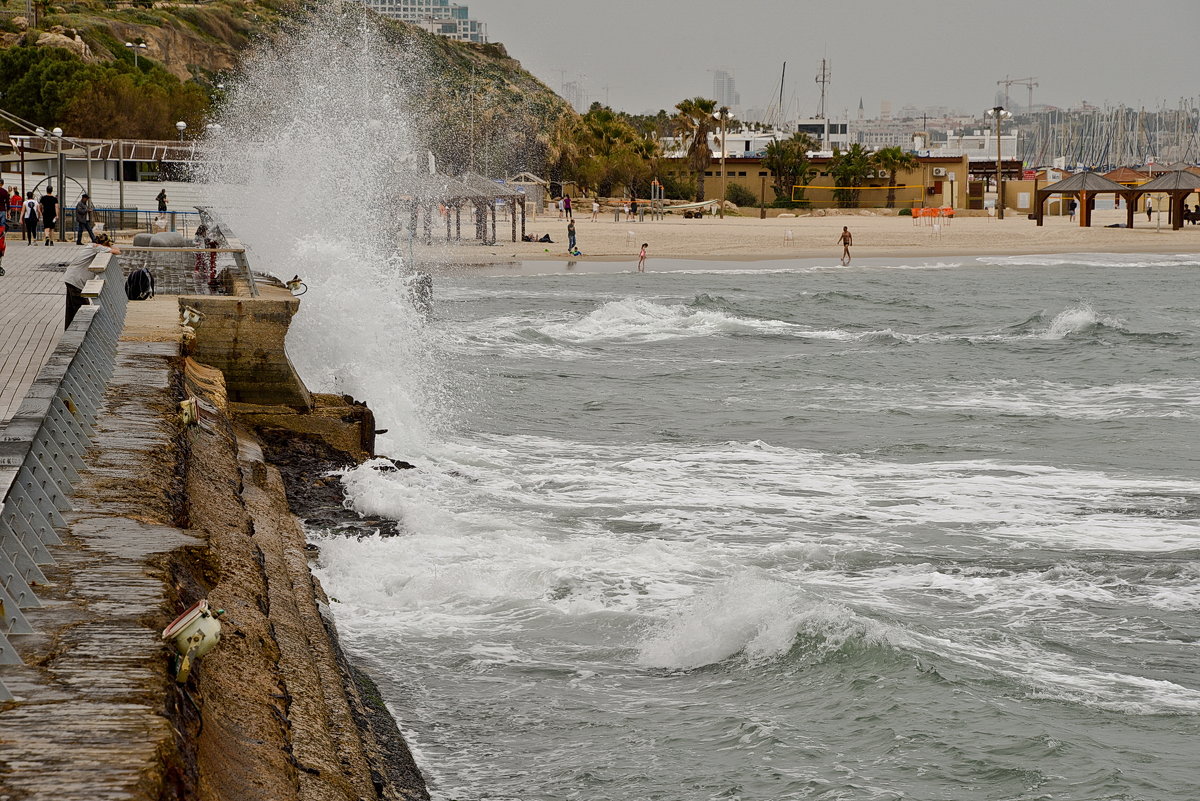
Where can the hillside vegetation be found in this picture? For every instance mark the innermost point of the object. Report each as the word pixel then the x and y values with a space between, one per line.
pixel 68 66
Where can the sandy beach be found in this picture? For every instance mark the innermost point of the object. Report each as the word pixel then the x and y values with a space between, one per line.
pixel 875 236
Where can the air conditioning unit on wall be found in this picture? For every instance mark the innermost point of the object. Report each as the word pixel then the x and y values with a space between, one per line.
pixel 882 173
pixel 939 172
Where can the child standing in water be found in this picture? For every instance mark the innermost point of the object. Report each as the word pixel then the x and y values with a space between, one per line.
pixel 642 258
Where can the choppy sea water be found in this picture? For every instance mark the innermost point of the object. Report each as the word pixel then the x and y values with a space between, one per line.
pixel 793 530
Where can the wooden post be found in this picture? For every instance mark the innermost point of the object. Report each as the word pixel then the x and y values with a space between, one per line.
pixel 1085 210
pixel 1130 203
pixel 512 207
pixel 458 220
pixel 522 218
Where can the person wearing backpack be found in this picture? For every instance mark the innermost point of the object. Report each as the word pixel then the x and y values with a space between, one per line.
pixel 30 216
pixel 79 273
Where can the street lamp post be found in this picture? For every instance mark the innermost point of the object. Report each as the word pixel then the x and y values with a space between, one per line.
pixel 62 212
pixel 181 126
pixel 140 46
pixel 723 115
pixel 1000 114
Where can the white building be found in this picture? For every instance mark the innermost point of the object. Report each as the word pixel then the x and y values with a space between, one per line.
pixel 436 16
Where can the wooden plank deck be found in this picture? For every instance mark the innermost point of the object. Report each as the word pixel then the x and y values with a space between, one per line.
pixel 32 301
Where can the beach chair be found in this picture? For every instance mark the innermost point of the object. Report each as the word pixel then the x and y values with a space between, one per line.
pixel 916 215
pixel 947 215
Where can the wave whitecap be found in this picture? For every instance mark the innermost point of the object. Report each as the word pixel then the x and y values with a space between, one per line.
pixel 758 618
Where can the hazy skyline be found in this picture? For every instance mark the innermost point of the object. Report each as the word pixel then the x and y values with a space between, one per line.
pixel 650 54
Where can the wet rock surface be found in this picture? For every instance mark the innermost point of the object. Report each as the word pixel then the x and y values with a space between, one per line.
pixel 310 471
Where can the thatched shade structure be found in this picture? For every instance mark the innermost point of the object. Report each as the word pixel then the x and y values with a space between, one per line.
pixel 1085 186
pixel 1176 185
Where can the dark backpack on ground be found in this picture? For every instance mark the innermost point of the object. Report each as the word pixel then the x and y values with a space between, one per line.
pixel 139 285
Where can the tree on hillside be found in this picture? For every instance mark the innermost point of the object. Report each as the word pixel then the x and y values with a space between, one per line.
pixel 893 159
pixel 693 124
pixel 850 171
pixel 788 162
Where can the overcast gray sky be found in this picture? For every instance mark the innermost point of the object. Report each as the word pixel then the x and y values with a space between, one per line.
pixel 652 53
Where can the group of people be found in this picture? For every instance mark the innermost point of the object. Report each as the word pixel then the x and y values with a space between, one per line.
pixel 38 217
pixel 565 208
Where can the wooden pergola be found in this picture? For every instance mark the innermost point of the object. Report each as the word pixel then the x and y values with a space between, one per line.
pixel 1176 185
pixel 490 193
pixel 1085 186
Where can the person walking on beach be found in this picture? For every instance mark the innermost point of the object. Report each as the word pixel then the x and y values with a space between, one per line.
pixel 567 206
pixel 161 197
pixel 30 216
pixel 846 240
pixel 49 204
pixel 595 209
pixel 84 210
pixel 1071 208
pixel 571 236
pixel 1149 207
pixel 642 258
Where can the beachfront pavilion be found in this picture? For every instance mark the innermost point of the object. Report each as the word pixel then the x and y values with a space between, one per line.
pixel 428 195
pixel 1085 186
pixel 1176 185
pixel 495 193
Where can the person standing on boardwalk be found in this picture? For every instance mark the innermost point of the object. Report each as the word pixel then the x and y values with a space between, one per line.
pixel 14 209
pixel 84 210
pixel 846 240
pixel 642 258
pixel 30 213
pixel 49 211
pixel 595 209
pixel 571 236
pixel 3 241
pixel 161 197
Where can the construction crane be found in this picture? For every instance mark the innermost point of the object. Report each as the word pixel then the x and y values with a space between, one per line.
pixel 1026 82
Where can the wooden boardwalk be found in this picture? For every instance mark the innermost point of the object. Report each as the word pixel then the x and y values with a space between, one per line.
pixel 32 303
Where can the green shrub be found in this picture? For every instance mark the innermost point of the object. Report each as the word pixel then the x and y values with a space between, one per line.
pixel 905 212
pixel 739 195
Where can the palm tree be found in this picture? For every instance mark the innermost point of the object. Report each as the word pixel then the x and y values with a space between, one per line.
pixel 849 171
pixel 788 162
pixel 693 124
pixel 893 159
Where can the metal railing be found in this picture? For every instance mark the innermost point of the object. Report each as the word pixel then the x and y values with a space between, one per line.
pixel 41 453
pixel 115 219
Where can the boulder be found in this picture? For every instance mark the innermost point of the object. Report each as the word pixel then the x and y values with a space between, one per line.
pixel 167 239
pixel 76 46
pixel 142 240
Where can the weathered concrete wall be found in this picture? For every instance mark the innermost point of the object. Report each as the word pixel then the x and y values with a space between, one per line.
pixel 243 337
pixel 166 515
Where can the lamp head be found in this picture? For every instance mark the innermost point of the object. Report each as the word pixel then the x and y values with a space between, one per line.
pixel 57 132
pixel 181 126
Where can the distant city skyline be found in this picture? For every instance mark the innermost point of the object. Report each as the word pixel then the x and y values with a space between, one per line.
pixel 642 57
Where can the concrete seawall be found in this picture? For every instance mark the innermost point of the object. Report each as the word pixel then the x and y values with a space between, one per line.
pixel 165 513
